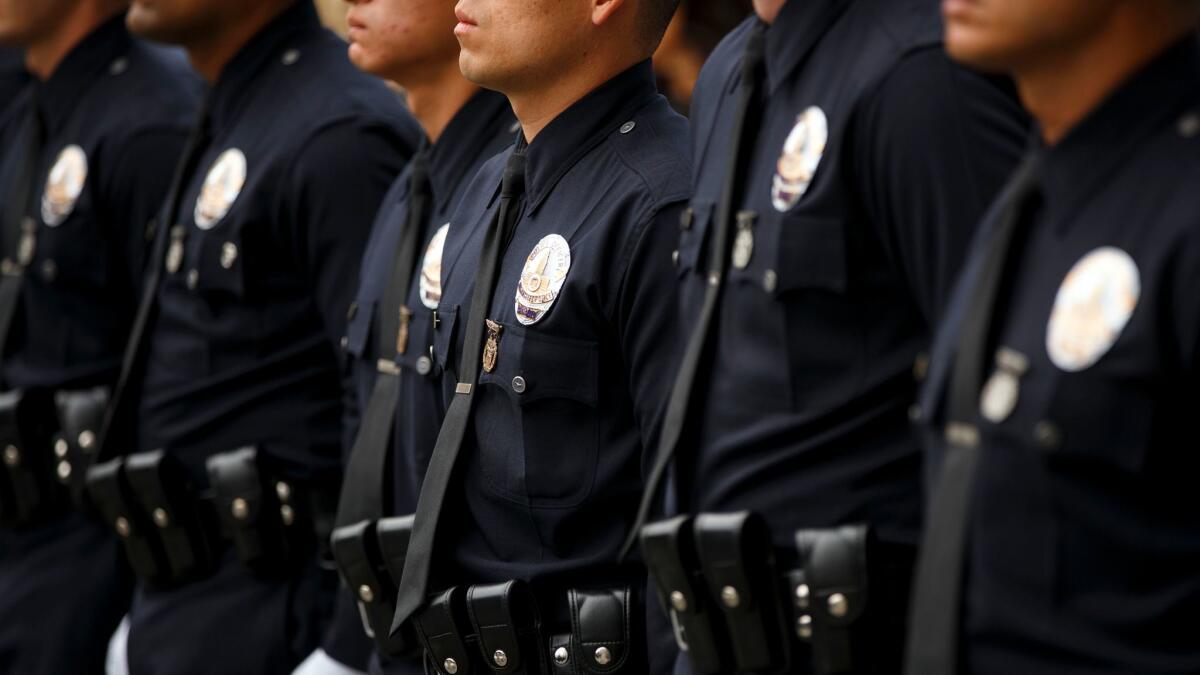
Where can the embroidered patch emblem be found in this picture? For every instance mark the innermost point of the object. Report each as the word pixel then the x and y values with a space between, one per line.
pixel 542 279
pixel 430 285
pixel 222 186
pixel 64 184
pixel 1092 308
pixel 802 154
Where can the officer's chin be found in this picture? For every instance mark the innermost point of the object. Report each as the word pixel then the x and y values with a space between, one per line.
pixel 976 48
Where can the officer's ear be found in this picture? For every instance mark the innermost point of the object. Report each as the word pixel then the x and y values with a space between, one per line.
pixel 603 11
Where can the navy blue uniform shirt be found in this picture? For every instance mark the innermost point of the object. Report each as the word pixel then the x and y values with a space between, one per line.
pixel 550 476
pixel 1084 531
pixel 874 160
pixel 483 128
pixel 13 78
pixel 104 172
pixel 245 347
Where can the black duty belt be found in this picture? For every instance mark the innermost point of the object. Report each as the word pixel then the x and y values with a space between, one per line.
pixel 734 611
pixel 173 532
pixel 46 441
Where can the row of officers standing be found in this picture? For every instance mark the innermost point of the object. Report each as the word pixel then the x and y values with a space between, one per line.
pixel 882 363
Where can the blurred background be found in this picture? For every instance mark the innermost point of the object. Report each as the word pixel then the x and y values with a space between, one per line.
pixel 697 29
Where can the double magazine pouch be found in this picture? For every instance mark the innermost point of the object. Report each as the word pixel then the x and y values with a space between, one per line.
pixel 161 489
pixel 670 553
pixel 504 618
pixel 80 418
pixel 734 611
pixel 370 557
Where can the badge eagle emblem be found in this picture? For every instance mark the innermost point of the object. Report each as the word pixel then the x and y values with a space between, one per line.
pixel 542 278
pixel 64 184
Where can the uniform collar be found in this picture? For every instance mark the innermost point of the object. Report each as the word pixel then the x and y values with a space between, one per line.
pixel 82 67
pixel 228 93
pixel 1112 133
pixel 581 127
pixel 485 116
pixel 797 29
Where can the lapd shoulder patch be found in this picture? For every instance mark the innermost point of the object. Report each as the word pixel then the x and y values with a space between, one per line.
pixel 64 184
pixel 802 154
pixel 221 188
pixel 430 285
pixel 542 278
pixel 1092 308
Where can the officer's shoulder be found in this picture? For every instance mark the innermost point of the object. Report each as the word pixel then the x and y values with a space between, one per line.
pixel 319 79
pixel 156 86
pixel 904 26
pixel 654 146
pixel 723 64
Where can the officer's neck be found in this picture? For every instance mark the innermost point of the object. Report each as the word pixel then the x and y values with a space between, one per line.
pixel 211 50
pixel 1061 88
pixel 43 56
pixel 436 96
pixel 538 105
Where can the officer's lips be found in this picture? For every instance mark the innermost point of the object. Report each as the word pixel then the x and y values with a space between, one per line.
pixel 465 23
pixel 959 10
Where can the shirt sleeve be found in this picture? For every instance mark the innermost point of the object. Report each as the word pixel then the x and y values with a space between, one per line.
pixel 648 320
pixel 932 146
pixel 138 182
pixel 337 185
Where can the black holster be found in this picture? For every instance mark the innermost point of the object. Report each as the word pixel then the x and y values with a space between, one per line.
pixel 268 522
pixel 29 491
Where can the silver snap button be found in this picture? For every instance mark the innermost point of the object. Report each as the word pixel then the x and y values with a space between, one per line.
pixel 366 594
pixel 561 656
pixel 1189 125
pixel 345 343
pixel 229 254
pixel 804 629
pixel 802 594
pixel 839 606
pixel 287 514
pixel 450 666
pixel 64 471
pixel 628 127
pixel 678 601
pixel 603 656
pixel 240 509
pixel 675 258
pixel 87 438
pixel 61 448
pixel 770 281
pixel 118 66
pixel 500 658
pixel 290 57
pixel 283 491
pixel 518 384
pixel 730 597
pixel 122 527
pixel 12 456
pixel 161 519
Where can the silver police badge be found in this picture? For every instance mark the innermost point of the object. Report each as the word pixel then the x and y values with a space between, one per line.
pixel 1094 304
pixel 64 184
pixel 222 186
pixel 430 285
pixel 542 278
pixel 802 154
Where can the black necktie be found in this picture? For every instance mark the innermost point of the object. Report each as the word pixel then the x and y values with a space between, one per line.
pixel 20 230
pixel 363 485
pixel 113 435
pixel 699 342
pixel 414 582
pixel 937 597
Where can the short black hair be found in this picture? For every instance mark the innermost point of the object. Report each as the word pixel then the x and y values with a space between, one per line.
pixel 655 16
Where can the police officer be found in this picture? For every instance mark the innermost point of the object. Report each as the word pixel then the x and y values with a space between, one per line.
pixel 1062 535
pixel 222 458
pixel 554 330
pixel 87 156
pixel 391 324
pixel 841 162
